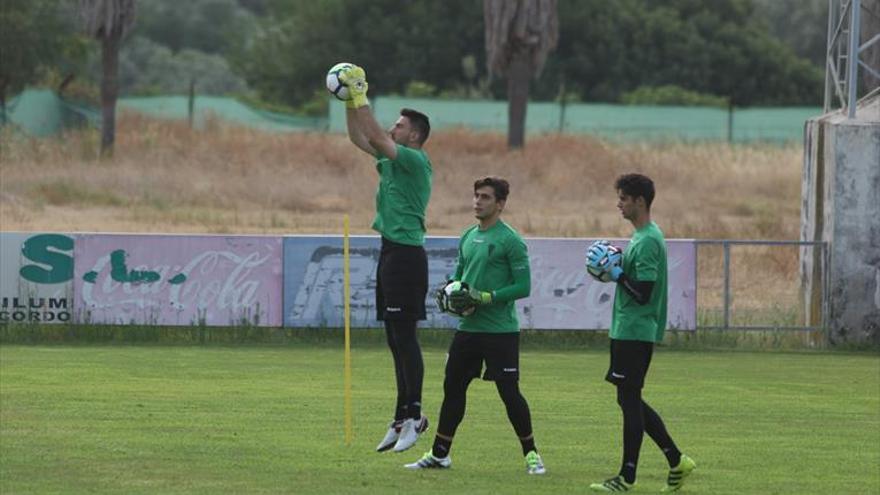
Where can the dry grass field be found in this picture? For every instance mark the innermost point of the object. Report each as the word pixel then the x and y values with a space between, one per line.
pixel 166 177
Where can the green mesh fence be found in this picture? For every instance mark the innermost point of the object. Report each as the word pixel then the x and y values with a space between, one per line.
pixel 40 113
pixel 227 109
pixel 43 113
pixel 616 122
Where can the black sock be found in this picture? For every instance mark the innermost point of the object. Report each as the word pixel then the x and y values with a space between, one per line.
pixel 673 457
pixel 655 429
pixel 412 366
pixel 517 412
pixel 628 471
pixel 441 447
pixel 528 445
pixel 630 401
pixel 400 413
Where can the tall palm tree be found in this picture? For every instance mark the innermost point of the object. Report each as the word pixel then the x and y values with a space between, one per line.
pixel 108 21
pixel 519 35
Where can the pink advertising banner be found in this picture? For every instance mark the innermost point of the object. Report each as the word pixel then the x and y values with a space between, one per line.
pixel 564 297
pixel 178 280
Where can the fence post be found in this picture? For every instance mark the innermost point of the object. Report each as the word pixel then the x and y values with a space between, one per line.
pixel 730 123
pixel 852 59
pixel 191 102
pixel 562 104
pixel 726 249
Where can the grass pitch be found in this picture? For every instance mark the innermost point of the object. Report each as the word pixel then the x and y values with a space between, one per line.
pixel 160 419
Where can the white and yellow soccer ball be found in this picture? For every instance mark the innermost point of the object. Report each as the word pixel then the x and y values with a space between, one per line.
pixel 336 87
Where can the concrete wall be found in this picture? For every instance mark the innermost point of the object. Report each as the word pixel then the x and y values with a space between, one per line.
pixel 841 206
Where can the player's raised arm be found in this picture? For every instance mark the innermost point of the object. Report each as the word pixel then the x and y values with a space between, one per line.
pixel 359 116
pixel 355 135
pixel 339 88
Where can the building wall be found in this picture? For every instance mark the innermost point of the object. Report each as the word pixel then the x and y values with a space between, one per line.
pixel 841 206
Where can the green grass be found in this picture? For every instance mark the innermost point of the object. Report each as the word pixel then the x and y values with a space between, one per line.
pixel 269 419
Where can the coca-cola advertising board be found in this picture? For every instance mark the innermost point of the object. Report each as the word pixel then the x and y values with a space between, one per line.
pixel 178 280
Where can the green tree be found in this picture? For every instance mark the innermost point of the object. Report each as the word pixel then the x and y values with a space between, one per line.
pixel 396 42
pixel 671 95
pixel 211 26
pixel 710 47
pixel 146 67
pixel 35 35
pixel 605 49
pixel 801 25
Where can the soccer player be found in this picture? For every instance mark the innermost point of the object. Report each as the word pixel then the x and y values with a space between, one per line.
pixel 402 273
pixel 494 263
pixel 637 323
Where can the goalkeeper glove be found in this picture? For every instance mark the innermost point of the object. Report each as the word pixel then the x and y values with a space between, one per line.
pixel 460 303
pixel 602 257
pixel 615 272
pixel 356 80
pixel 480 297
pixel 471 297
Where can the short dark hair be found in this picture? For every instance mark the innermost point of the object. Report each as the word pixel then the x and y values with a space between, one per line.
pixel 636 185
pixel 499 185
pixel 419 122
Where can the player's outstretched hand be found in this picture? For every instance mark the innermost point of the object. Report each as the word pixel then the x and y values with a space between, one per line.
pixel 356 80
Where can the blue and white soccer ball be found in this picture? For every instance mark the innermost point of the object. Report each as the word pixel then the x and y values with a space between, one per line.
pixel 336 87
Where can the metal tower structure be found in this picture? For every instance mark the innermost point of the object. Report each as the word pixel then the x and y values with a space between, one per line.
pixel 843 59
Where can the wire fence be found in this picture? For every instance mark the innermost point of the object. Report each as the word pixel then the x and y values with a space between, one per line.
pixel 759 285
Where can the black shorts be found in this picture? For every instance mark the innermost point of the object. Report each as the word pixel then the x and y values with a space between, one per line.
pixel 469 350
pixel 401 282
pixel 629 362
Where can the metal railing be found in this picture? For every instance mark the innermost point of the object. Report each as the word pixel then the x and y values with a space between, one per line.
pixel 726 245
pixel 843 57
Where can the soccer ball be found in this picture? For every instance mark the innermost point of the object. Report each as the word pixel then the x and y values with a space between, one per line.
pixel 336 87
pixel 444 302
pixel 599 270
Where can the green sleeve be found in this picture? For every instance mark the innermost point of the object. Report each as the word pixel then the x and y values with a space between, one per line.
pixel 648 261
pixel 518 257
pixel 459 266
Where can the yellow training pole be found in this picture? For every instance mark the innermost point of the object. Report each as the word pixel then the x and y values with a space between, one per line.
pixel 349 434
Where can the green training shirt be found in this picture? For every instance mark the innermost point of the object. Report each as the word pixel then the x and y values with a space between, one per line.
pixel 402 196
pixel 644 260
pixel 494 260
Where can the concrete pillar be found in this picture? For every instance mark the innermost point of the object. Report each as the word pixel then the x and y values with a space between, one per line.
pixel 841 206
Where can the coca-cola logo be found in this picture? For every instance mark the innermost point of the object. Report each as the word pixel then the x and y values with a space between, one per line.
pixel 212 279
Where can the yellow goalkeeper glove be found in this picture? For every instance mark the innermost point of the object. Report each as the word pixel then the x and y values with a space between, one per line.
pixel 356 80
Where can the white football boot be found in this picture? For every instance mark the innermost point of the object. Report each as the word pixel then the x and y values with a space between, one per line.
pixel 428 461
pixel 409 432
pixel 391 436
